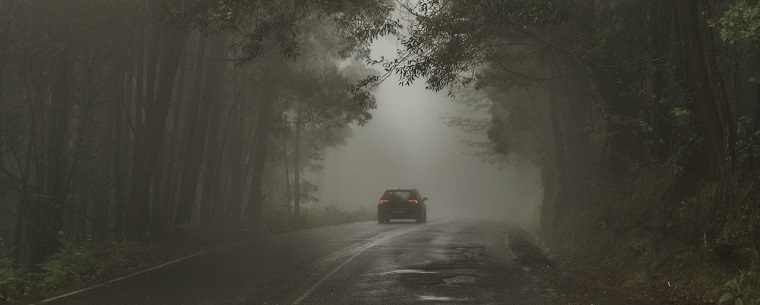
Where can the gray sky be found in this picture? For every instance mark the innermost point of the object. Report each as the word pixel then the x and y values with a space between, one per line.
pixel 408 144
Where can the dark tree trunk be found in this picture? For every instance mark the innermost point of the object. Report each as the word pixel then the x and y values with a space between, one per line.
pixel 115 147
pixel 259 159
pixel 297 163
pixel 288 187
pixel 236 172
pixel 553 173
pixel 149 141
pixel 165 208
pixel 714 114
pixel 195 126
pixel 214 143
pixel 51 208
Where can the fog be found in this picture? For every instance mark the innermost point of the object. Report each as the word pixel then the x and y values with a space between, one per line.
pixel 408 144
pixel 239 152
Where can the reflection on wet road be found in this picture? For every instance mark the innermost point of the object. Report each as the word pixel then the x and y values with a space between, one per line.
pixel 443 262
pixel 449 262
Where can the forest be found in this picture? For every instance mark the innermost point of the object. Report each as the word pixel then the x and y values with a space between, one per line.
pixel 122 121
pixel 125 123
pixel 642 115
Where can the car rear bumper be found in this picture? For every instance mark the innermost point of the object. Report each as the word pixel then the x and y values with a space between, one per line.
pixel 405 212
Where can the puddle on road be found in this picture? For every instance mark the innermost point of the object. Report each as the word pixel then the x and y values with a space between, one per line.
pixel 459 280
pixel 408 271
pixel 440 299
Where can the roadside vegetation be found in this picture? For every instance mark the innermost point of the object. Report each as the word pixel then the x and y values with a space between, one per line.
pixel 643 116
pixel 80 263
pixel 76 264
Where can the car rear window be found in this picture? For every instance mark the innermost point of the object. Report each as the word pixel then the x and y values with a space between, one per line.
pixel 398 195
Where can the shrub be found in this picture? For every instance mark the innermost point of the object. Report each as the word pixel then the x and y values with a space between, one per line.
pixel 75 264
pixel 741 290
pixel 12 284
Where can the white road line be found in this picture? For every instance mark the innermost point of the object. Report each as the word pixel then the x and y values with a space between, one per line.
pixel 204 252
pixel 314 287
pixel 141 272
pixel 125 277
pixel 357 252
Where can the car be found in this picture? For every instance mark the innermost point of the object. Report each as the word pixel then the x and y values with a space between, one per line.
pixel 402 204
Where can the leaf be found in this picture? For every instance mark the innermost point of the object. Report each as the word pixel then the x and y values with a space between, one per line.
pixel 731 284
pixel 725 298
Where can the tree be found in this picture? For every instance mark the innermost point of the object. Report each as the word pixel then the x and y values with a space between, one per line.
pixel 167 123
pixel 618 90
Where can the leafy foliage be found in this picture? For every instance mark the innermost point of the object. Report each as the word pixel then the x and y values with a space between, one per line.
pixel 12 281
pixel 740 22
pixel 742 290
pixel 75 264
pixel 606 98
pixel 257 23
pixel 451 40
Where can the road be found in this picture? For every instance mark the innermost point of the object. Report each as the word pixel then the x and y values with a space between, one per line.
pixel 442 262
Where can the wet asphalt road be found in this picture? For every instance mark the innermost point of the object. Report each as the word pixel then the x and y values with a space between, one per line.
pixel 442 262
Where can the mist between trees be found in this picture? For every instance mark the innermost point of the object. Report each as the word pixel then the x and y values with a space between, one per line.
pixel 125 120
pixel 642 116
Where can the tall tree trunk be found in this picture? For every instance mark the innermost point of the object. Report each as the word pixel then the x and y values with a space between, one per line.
pixel 115 146
pixel 288 187
pixel 757 92
pixel 236 174
pixel 214 145
pixel 553 173
pixel 120 164
pixel 713 111
pixel 297 163
pixel 165 212
pixel 149 141
pixel 7 8
pixel 259 159
pixel 28 222
pixel 195 126
pixel 714 114
pixel 55 187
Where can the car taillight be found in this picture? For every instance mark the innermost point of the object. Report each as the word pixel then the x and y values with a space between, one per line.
pixel 382 201
pixel 413 201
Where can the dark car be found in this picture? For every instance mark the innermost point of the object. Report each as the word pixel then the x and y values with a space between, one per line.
pixel 402 204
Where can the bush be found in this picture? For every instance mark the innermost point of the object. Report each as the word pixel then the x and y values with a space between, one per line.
pixel 74 265
pixel 741 290
pixel 12 283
